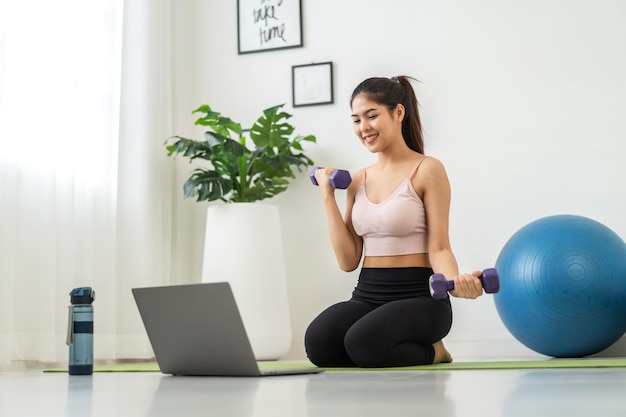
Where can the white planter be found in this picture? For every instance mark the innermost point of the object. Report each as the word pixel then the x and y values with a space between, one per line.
pixel 243 246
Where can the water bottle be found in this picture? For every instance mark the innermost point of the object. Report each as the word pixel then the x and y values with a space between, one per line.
pixel 80 331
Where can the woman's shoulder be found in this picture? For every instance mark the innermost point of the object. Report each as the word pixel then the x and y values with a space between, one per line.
pixel 431 164
pixel 430 173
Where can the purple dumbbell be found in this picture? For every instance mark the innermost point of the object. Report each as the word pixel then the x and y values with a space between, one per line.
pixel 439 285
pixel 339 178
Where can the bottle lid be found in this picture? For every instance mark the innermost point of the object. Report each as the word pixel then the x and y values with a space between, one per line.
pixel 82 295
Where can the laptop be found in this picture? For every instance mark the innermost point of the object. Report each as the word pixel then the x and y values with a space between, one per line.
pixel 196 329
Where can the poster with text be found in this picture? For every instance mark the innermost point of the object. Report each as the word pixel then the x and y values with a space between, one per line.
pixel 266 25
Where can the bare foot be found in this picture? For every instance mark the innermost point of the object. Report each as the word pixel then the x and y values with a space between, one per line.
pixel 441 353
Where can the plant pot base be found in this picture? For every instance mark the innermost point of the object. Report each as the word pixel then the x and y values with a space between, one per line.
pixel 243 246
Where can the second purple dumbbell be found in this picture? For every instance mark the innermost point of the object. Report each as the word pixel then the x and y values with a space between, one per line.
pixel 439 285
pixel 339 178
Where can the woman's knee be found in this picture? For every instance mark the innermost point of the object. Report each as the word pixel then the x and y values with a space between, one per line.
pixel 316 337
pixel 324 347
pixel 365 347
pixel 324 337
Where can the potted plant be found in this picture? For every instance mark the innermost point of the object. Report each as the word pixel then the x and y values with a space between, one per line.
pixel 243 242
pixel 237 173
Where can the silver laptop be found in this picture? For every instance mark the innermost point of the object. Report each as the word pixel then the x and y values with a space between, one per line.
pixel 196 329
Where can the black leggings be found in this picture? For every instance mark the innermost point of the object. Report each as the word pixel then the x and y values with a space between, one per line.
pixel 391 320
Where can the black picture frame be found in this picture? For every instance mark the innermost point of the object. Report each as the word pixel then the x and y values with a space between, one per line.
pixel 312 84
pixel 268 25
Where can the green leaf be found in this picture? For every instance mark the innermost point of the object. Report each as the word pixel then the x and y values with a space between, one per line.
pixel 237 173
pixel 207 185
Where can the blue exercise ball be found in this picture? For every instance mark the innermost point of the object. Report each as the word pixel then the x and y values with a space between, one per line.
pixel 563 286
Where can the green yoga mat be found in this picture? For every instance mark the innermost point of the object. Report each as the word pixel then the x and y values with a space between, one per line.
pixel 482 365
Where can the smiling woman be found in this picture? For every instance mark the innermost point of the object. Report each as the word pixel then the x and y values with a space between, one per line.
pixel 396 227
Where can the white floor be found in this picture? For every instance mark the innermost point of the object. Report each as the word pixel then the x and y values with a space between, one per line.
pixel 501 393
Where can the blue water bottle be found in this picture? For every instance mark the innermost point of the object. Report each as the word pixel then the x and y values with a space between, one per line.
pixel 80 331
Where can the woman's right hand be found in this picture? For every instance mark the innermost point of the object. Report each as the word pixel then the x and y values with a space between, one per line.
pixel 322 176
pixel 467 286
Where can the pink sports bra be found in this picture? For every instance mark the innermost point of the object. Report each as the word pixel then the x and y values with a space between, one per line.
pixel 396 226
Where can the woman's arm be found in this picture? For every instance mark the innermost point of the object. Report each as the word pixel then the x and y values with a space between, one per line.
pixel 348 246
pixel 436 193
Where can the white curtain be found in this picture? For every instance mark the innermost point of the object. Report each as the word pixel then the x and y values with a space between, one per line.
pixel 85 188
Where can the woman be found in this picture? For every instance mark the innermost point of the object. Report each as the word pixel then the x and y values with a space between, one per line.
pixel 397 217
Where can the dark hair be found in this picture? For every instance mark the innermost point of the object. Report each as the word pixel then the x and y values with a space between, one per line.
pixel 393 91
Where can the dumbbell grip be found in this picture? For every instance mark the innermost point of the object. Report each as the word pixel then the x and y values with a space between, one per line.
pixel 439 286
pixel 339 178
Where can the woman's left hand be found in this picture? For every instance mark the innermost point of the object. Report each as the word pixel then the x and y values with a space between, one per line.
pixel 468 285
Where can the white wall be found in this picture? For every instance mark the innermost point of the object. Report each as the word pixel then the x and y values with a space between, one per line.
pixel 523 101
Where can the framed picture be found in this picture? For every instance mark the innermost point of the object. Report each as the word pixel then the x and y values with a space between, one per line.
pixel 267 25
pixel 312 84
